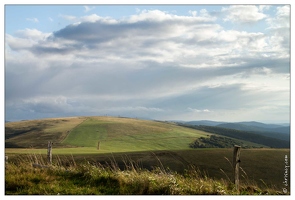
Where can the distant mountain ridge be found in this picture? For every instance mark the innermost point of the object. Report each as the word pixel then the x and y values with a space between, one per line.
pixel 250 123
pixel 243 127
pixel 262 125
pixel 204 122
pixel 278 131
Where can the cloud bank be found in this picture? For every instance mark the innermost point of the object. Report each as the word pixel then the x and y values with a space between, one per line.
pixel 153 64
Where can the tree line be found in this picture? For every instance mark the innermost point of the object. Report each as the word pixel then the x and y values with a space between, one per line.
pixel 216 142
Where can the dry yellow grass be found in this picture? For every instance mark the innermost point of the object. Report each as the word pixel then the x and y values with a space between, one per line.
pixel 33 133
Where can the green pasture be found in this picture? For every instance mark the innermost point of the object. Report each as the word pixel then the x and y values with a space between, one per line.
pixel 143 142
pixel 124 135
pixel 81 135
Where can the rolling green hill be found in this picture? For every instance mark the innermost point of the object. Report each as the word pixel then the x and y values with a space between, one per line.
pixel 147 143
pixel 114 134
pixel 117 134
pixel 125 134
pixel 36 133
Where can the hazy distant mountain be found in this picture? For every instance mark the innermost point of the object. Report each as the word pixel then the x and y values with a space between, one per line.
pixel 284 129
pixel 259 124
pixel 278 131
pixel 248 126
pixel 284 124
pixel 239 126
pixel 262 127
pixel 281 132
pixel 204 122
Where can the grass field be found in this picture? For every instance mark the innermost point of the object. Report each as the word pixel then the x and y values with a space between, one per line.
pixel 123 135
pixel 36 133
pixel 114 134
pixel 146 144
pixel 95 179
pixel 262 167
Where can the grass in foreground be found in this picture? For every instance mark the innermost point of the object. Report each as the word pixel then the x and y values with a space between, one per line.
pixel 264 167
pixel 85 178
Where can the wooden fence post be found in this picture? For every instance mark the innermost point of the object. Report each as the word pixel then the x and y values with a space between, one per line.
pixel 49 152
pixel 98 145
pixel 236 164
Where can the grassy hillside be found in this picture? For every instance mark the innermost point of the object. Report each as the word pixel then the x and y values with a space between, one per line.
pixel 36 133
pixel 114 134
pixel 123 134
pixel 146 144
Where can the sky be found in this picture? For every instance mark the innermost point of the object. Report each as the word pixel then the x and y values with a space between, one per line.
pixel 164 62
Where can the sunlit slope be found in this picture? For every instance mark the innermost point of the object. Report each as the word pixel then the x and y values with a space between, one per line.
pixel 114 134
pixel 125 134
pixel 36 133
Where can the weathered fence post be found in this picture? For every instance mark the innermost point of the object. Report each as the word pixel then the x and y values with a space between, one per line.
pixel 49 152
pixel 236 164
pixel 98 145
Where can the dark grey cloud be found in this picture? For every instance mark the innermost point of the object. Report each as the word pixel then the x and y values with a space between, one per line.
pixel 278 65
pixel 86 79
pixel 101 32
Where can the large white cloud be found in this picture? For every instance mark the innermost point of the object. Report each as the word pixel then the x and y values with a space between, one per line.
pixel 243 13
pixel 152 64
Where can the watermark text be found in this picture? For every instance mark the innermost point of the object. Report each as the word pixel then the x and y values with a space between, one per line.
pixel 286 174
